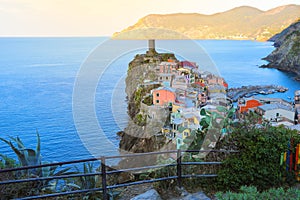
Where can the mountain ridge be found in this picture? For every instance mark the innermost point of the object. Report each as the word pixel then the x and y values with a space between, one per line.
pixel 243 22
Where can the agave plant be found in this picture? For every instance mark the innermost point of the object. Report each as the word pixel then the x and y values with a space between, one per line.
pixel 30 157
pixel 26 157
pixel 52 185
pixel 89 182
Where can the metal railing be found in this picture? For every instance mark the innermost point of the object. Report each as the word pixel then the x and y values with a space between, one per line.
pixel 104 172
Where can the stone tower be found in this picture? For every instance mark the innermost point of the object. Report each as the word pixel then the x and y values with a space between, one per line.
pixel 151 44
pixel 151 48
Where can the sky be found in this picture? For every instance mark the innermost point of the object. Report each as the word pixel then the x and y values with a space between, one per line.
pixel 102 17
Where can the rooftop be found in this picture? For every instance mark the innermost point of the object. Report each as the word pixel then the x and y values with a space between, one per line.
pixel 165 88
pixel 168 63
pixel 274 106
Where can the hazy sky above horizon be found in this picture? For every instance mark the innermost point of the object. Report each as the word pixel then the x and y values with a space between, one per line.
pixel 102 17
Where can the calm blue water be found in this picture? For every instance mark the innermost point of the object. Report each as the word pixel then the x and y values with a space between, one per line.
pixel 37 77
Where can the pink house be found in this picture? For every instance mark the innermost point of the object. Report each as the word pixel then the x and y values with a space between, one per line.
pixel 168 68
pixel 215 80
pixel 163 96
pixel 188 64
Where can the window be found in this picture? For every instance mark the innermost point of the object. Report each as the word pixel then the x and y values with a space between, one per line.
pixel 185 134
pixel 157 94
pixel 157 101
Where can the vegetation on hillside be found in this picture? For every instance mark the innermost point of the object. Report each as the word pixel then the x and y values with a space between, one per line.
pixel 239 23
pixel 258 161
pixel 286 56
pixel 251 193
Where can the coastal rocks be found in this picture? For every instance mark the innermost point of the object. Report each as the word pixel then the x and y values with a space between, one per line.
pixel 246 91
pixel 136 144
pixel 286 56
pixel 151 194
pixel 183 194
pixel 280 38
pixel 196 196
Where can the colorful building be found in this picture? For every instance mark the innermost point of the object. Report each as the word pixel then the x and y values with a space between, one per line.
pixel 164 78
pixel 180 82
pixel 276 112
pixel 216 80
pixel 188 64
pixel 202 98
pixel 163 96
pixel 246 104
pixel 168 68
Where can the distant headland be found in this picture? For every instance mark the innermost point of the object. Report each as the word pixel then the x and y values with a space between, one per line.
pixel 286 56
pixel 242 23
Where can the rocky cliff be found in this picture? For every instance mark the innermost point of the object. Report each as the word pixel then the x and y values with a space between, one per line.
pixel 140 135
pixel 286 56
pixel 239 23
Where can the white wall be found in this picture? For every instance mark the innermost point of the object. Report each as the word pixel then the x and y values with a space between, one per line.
pixel 282 113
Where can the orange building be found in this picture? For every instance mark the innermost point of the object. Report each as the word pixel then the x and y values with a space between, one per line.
pixel 225 84
pixel 251 103
pixel 163 96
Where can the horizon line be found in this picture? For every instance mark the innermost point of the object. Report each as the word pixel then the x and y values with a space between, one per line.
pixel 53 36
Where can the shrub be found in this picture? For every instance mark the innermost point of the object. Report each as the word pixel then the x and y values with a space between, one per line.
pixel 140 119
pixel 258 160
pixel 251 193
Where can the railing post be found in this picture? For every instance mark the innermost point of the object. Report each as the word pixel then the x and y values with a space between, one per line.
pixel 179 171
pixel 103 170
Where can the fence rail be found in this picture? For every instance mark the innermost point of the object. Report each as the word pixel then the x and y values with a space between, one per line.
pixel 104 172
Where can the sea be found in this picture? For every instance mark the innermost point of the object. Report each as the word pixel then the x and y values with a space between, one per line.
pixel 71 90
